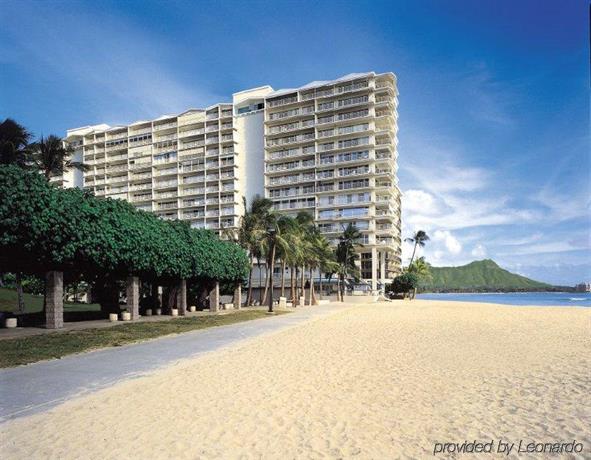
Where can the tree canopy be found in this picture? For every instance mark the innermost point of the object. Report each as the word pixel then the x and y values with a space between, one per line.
pixel 43 227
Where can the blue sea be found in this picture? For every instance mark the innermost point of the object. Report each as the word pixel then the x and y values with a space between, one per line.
pixel 570 299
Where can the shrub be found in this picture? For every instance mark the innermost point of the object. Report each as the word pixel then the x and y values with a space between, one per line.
pixel 403 283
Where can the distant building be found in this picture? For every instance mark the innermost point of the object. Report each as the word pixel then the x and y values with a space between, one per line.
pixel 329 147
pixel 583 287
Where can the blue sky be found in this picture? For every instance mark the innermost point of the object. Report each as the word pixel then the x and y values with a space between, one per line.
pixel 494 138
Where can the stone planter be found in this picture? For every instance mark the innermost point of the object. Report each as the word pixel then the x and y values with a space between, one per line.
pixel 158 311
pixel 126 316
pixel 302 302
pixel 113 317
pixel 10 323
pixel 174 312
pixel 192 308
pixel 148 312
pixel 228 306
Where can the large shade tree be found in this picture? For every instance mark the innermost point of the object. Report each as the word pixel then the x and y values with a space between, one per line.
pixel 44 228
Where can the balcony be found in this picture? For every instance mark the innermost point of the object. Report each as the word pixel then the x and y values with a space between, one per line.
pixel 291 153
pixel 290 140
pixel 165 184
pixel 140 165
pixel 165 126
pixel 164 195
pixel 143 197
pixel 282 101
pixel 192 132
pixel 194 191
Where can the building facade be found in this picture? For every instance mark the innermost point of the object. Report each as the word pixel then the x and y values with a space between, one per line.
pixel 329 148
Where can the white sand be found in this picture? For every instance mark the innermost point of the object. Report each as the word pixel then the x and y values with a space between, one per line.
pixel 375 381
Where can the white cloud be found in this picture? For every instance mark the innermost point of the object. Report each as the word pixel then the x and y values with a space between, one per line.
pixel 479 251
pixel 451 243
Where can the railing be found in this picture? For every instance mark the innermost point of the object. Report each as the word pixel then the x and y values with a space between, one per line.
pixel 282 101
pixel 192 132
pixel 165 126
pixel 164 184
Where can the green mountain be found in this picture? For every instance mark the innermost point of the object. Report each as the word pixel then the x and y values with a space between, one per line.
pixel 480 275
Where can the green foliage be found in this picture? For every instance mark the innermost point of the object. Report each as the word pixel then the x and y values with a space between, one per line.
pixel 52 157
pixel 421 268
pixel 43 227
pixel 14 140
pixel 482 275
pixel 403 283
pixel 31 284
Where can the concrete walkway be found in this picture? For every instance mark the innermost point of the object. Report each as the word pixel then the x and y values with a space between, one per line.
pixel 37 387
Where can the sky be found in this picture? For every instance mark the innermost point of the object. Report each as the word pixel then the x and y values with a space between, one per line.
pixel 494 117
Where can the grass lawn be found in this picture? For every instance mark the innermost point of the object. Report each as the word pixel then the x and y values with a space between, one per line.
pixel 14 352
pixel 34 303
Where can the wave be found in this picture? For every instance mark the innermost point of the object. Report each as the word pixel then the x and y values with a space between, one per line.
pixel 576 299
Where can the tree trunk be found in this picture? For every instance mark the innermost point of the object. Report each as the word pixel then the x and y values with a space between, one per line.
pixel 19 293
pixel 413 254
pixel 312 296
pixel 296 297
pixel 338 288
pixel 264 297
pixel 293 285
pixel 303 275
pixel 171 299
pixel 320 285
pixel 272 274
pixel 342 288
pixel 260 281
pixel 249 296
pixel 282 278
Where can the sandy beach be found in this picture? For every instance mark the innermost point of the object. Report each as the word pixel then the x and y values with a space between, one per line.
pixel 377 381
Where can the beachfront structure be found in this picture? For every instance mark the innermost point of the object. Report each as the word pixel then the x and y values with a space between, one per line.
pixel 329 148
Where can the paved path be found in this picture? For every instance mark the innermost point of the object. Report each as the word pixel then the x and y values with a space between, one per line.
pixel 37 387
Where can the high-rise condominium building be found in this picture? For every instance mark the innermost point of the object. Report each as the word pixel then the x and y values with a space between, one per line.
pixel 328 148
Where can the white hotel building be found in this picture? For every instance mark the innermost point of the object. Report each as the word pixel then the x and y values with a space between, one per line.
pixel 328 147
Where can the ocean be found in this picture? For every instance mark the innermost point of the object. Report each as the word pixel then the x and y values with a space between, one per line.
pixel 570 299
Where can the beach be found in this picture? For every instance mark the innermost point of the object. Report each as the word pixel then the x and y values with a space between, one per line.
pixel 374 381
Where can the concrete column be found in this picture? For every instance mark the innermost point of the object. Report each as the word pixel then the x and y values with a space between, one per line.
pixel 238 297
pixel 181 297
pixel 54 300
pixel 133 297
pixel 374 269
pixel 214 297
pixel 383 266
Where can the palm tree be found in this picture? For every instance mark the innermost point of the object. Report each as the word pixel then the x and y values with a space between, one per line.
pixel 421 268
pixel 286 253
pixel 52 157
pixel 325 258
pixel 250 233
pixel 276 240
pixel 305 223
pixel 14 143
pixel 419 239
pixel 346 255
